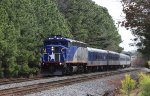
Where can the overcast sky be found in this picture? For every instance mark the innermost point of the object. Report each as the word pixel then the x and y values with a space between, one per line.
pixel 115 10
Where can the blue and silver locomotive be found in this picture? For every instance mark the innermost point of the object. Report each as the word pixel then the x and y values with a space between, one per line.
pixel 62 55
pixel 65 56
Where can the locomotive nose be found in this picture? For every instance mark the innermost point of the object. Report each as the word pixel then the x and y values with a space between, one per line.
pixel 54 54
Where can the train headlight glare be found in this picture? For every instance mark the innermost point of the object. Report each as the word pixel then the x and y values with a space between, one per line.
pixel 52 49
pixel 60 63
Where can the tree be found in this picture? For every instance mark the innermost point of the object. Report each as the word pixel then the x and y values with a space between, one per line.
pixel 138 20
pixel 8 42
pixel 23 26
pixel 90 23
pixel 50 21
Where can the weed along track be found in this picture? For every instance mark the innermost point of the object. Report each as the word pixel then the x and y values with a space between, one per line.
pixel 55 84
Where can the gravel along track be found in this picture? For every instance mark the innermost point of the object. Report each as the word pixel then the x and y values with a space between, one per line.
pixel 96 87
pixel 55 84
pixel 8 85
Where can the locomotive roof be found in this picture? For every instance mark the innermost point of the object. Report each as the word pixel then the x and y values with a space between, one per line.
pixel 71 40
pixel 63 39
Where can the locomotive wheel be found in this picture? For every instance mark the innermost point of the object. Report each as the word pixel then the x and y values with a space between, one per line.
pixel 67 70
pixel 64 71
pixel 81 69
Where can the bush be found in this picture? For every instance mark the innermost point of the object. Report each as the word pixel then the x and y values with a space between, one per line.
pixel 25 70
pixel 12 71
pixel 128 84
pixel 34 71
pixel 16 70
pixel 144 85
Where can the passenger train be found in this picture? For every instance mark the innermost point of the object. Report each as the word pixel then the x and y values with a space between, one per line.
pixel 62 56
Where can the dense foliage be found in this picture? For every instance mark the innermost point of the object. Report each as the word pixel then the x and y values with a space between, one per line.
pixel 138 20
pixel 90 23
pixel 25 23
pixel 142 84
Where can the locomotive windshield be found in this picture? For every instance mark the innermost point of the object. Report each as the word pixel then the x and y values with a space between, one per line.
pixel 52 42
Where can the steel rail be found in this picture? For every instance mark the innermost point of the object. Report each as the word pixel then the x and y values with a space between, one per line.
pixel 55 84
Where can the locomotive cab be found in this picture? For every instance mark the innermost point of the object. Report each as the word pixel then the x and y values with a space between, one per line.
pixel 54 51
pixel 53 54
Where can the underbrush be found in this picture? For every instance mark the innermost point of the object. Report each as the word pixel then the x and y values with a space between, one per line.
pixel 144 84
pixel 128 85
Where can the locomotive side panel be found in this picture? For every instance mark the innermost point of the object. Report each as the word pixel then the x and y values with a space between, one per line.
pixel 76 55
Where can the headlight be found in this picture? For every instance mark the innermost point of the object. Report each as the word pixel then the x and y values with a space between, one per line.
pixel 62 50
pixel 52 48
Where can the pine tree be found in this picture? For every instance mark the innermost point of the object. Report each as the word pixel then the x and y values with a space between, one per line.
pixel 90 23
pixel 24 24
pixel 50 21
pixel 8 40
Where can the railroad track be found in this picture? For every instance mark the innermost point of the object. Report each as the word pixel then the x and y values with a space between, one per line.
pixel 17 80
pixel 19 91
